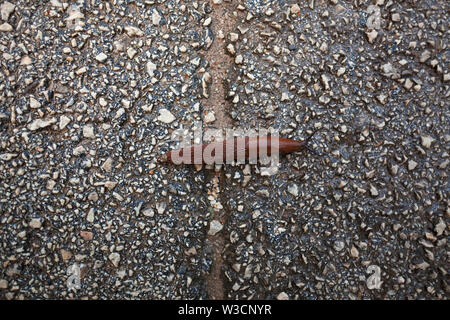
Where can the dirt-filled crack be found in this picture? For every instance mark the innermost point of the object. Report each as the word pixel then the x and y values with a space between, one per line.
pixel 223 21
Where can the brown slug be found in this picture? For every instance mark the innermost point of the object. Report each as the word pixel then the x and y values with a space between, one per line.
pixel 235 149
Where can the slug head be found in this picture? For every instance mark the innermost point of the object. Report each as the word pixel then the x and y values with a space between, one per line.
pixel 306 143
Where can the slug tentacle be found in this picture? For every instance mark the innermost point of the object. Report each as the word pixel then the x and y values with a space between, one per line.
pixel 307 145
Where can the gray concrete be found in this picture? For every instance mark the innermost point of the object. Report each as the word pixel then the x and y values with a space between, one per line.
pixel 90 94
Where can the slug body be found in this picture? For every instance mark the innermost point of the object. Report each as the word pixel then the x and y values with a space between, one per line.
pixel 236 149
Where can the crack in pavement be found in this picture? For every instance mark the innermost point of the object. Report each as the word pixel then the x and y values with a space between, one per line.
pixel 223 21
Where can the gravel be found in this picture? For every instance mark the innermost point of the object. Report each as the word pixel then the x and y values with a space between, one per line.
pixel 89 95
pixel 377 190
pixel 214 227
pixel 90 92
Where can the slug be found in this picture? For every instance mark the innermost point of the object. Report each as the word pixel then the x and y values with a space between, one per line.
pixel 235 149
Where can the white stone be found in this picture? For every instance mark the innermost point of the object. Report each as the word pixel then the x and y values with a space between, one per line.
pixel 295 9
pixel 79 150
pixel 133 31
pixel 354 252
pixel 340 71
pixel 165 116
pixel 63 122
pixel 40 123
pixel 127 104
pixel 110 184
pixel 325 81
pixel 293 189
pixel 382 98
pixel 90 216
pixel 34 104
pixel 6 9
pixel 408 84
pixel 425 56
pixel 81 70
pixel 440 227
pixel 147 107
pixel 114 258
pixel 284 96
pixel 150 68
pixel 107 165
pixel 373 191
pixel 210 117
pixel 131 52
pixel 6 27
pixel 35 223
pixel 103 102
pixel 387 68
pixel 214 227
pixel 395 17
pixel 74 13
pixel 101 57
pixel 339 245
pixel 234 37
pixel 119 46
pixel 412 165
pixel 283 296
pixel 50 184
pixel 427 141
pixel 88 131
pixel 161 207
pixel 156 17
pixel 26 60
pixel 188 281
pixel 239 59
pixel 230 49
pixel 3 284
pixel 372 35
pixel 446 77
pixel 118 197
pixel 7 56
pixel 269 12
pixel 207 22
pixel 7 156
pixel 148 212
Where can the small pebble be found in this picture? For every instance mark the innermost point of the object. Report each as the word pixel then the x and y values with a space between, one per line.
pixel 282 296
pixel 6 27
pixel 412 165
pixel 101 57
pixel 114 258
pixel 165 116
pixel 35 223
pixel 427 141
pixel 214 227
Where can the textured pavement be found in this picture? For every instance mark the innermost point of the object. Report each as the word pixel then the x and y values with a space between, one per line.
pixel 90 92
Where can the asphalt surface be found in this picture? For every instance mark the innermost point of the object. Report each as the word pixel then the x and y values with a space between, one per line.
pixel 90 92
